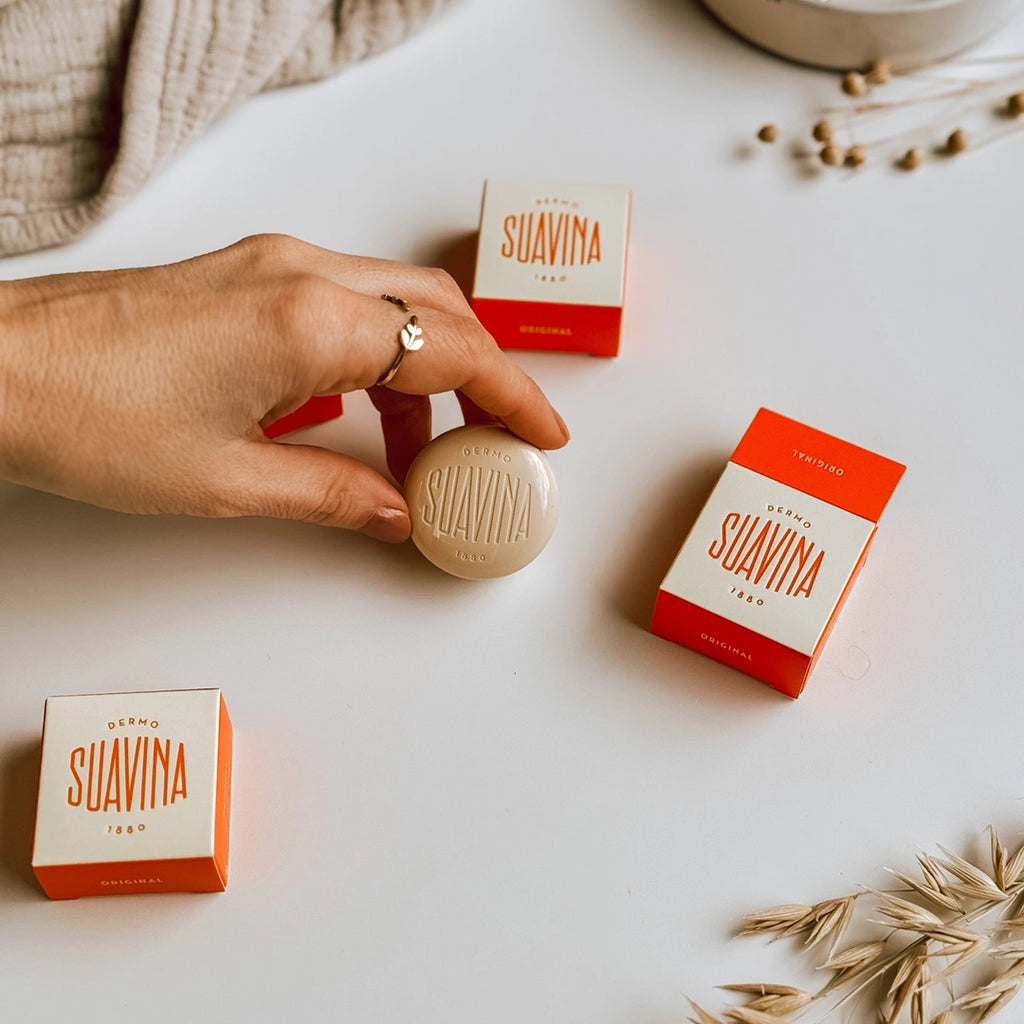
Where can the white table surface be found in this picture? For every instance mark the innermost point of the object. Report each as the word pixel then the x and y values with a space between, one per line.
pixel 506 802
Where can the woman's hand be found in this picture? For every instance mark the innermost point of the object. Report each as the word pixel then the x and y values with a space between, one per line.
pixel 145 390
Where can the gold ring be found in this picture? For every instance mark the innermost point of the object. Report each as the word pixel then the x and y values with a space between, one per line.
pixel 410 338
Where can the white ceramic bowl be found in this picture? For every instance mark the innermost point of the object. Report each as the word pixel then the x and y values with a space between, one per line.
pixel 849 34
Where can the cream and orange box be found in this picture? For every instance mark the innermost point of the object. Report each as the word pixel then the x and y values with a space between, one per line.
pixel 764 572
pixel 134 794
pixel 551 265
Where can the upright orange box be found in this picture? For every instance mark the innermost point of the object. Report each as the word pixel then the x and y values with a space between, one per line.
pixel 764 572
pixel 551 265
pixel 134 794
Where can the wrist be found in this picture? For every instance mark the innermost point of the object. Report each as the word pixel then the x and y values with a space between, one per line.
pixel 20 359
pixel 7 346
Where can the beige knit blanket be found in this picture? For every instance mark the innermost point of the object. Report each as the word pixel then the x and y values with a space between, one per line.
pixel 95 95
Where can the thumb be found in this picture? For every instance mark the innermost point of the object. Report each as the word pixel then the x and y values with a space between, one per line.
pixel 314 485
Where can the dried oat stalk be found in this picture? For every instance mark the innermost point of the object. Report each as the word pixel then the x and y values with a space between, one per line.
pixel 948 948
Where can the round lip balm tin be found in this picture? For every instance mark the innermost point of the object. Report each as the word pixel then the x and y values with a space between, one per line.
pixel 483 502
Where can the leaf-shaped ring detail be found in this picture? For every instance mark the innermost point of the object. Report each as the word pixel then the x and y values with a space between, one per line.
pixel 412 336
pixel 410 339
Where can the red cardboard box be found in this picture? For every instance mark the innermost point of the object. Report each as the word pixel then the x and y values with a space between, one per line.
pixel 134 794
pixel 319 409
pixel 764 572
pixel 551 265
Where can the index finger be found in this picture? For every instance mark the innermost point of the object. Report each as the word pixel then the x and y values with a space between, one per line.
pixel 459 355
pixel 492 382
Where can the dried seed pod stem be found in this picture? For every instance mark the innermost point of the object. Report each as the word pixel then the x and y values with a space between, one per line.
pixel 831 155
pixel 957 141
pixel 996 86
pixel 960 90
pixel 854 84
pixel 822 131
pixel 856 155
pixel 912 159
pixel 878 73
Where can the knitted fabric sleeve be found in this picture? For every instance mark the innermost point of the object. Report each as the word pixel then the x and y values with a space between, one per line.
pixel 95 95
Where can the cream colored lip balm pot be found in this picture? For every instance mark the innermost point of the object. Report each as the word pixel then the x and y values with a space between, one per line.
pixel 483 502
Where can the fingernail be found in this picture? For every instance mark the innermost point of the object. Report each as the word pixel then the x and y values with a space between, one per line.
pixel 564 428
pixel 390 525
